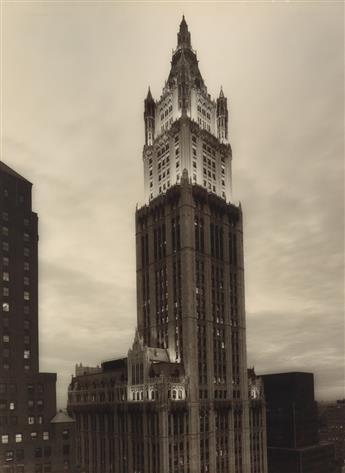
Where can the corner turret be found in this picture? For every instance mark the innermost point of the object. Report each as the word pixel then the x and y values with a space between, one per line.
pixel 222 117
pixel 149 117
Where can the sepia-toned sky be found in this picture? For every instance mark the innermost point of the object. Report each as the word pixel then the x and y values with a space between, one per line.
pixel 73 79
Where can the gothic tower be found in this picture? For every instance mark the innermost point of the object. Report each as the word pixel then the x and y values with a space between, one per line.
pixel 185 403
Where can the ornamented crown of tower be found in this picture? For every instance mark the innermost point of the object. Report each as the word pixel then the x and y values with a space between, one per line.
pixel 186 129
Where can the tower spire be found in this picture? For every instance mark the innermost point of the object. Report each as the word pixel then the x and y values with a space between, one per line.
pixel 183 36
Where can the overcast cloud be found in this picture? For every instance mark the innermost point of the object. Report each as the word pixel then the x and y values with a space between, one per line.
pixel 74 76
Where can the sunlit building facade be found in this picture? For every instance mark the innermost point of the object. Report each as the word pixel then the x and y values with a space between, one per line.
pixel 182 401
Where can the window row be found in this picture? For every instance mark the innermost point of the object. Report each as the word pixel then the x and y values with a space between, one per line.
pixel 18 438
pixel 5 247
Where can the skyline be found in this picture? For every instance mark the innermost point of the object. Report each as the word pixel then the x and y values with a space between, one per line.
pixel 302 228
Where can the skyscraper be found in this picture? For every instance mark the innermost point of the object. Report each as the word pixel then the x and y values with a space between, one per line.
pixel 182 400
pixel 33 439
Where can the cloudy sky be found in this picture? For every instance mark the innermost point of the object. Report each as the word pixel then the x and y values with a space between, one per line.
pixel 73 79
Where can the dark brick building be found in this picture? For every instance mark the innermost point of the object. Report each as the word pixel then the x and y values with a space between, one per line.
pixel 292 426
pixel 29 437
pixel 332 429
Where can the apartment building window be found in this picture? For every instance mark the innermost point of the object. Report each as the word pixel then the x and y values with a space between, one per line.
pixel 5 261
pixel 47 451
pixel 33 435
pixel 26 281
pixel 45 436
pixel 26 354
pixel 5 231
pixel 19 438
pixel 6 338
pixel 26 266
pixel 5 291
pixel 38 452
pixel 5 246
pixel 5 306
pixel 31 420
pixel 4 438
pixel 20 457
pixel 5 276
pixel 26 251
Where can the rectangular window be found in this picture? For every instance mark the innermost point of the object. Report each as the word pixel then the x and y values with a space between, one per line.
pixel 5 246
pixel 26 354
pixel 26 251
pixel 38 452
pixel 26 266
pixel 26 281
pixel 4 438
pixel 5 291
pixel 5 306
pixel 26 295
pixel 33 435
pixel 9 456
pixel 19 438
pixel 5 231
pixel 12 406
pixel 31 420
pixel 6 338
pixel 20 455
pixel 5 276
pixel 45 435
pixel 47 451
pixel 26 237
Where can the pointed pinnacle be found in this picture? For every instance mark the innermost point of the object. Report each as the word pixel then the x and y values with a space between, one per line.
pixel 149 95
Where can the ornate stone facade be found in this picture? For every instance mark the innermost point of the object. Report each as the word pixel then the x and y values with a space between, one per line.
pixel 181 401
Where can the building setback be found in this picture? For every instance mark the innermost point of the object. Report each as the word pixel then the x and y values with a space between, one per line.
pixel 182 401
pixel 292 426
pixel 32 438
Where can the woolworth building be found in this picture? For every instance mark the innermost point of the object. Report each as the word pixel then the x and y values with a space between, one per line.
pixel 182 401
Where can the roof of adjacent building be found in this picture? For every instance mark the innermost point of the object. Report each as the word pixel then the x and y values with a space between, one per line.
pixel 61 417
pixel 6 169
